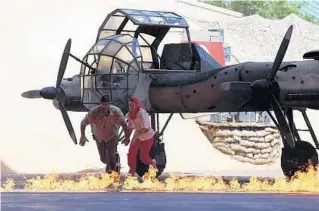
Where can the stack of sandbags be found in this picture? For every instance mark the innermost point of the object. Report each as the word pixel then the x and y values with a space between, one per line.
pixel 253 143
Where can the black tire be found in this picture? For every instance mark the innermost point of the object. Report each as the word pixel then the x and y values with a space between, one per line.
pixel 293 160
pixel 158 153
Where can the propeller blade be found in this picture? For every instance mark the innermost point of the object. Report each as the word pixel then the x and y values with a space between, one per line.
pixel 281 53
pixel 63 63
pixel 31 94
pixel 236 86
pixel 283 125
pixel 67 122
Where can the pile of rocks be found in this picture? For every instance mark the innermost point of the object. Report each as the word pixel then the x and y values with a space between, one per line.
pixel 254 38
pixel 254 143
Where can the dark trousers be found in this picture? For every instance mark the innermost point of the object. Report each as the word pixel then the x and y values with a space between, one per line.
pixel 107 151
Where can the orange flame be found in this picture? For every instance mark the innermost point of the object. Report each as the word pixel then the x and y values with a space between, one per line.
pixel 302 183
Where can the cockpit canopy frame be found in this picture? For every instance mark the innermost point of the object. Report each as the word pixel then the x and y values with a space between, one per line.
pixel 148 27
pixel 120 21
pixel 111 67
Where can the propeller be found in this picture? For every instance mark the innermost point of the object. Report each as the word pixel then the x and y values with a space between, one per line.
pixel 262 87
pixel 57 93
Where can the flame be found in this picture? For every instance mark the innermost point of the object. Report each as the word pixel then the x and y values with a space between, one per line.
pixel 307 182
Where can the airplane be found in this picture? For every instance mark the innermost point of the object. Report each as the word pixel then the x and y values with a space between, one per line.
pixel 124 61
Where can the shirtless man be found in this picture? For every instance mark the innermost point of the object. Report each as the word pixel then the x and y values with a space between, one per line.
pixel 105 120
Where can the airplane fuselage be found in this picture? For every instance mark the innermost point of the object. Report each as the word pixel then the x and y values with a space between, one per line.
pixel 201 92
pixel 191 92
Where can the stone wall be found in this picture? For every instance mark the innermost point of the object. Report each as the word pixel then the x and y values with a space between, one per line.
pixel 254 143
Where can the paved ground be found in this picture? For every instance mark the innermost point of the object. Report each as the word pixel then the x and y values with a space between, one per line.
pixel 156 202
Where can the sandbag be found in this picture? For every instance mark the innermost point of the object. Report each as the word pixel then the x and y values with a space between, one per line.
pixel 262 156
pixel 269 138
pixel 218 140
pixel 231 140
pixel 248 133
pixel 272 130
pixel 246 143
pixel 262 145
pixel 217 145
pixel 227 150
pixel 267 150
pixel 257 139
pixel 258 145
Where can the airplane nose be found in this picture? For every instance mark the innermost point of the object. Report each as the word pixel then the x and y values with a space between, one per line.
pixel 48 93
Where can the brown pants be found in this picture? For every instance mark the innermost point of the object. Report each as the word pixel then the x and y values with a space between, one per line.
pixel 107 151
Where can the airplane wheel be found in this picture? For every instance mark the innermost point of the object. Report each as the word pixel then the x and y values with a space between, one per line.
pixel 297 159
pixel 157 153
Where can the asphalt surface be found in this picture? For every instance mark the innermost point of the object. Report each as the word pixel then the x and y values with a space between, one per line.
pixel 156 201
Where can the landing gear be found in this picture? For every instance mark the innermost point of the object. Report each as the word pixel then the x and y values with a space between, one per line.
pixel 158 150
pixel 157 153
pixel 118 162
pixel 304 154
pixel 298 159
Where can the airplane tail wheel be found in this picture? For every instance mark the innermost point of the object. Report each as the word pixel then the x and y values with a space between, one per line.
pixel 158 153
pixel 298 158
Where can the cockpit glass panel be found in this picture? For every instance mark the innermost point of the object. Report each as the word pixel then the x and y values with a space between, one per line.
pixel 125 55
pixel 176 21
pixel 92 60
pixel 112 48
pixel 105 63
pixel 119 67
pixel 106 33
pixel 139 18
pixel 124 39
pixel 134 68
pixel 145 39
pixel 132 12
pixel 130 26
pixel 114 22
pixel 150 13
pixel 134 48
pixel 119 14
pixel 97 49
pixel 147 54
pixel 168 14
pixel 99 46
pixel 157 20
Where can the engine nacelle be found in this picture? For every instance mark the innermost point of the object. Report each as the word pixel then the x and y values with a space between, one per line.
pixel 312 55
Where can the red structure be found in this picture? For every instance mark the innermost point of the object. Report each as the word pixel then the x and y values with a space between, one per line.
pixel 215 50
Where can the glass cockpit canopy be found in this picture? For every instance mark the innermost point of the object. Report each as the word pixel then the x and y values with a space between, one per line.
pixel 127 20
pixel 112 68
pixel 121 47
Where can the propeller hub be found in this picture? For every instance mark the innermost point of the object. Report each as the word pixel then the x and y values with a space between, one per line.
pixel 48 93
pixel 260 85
